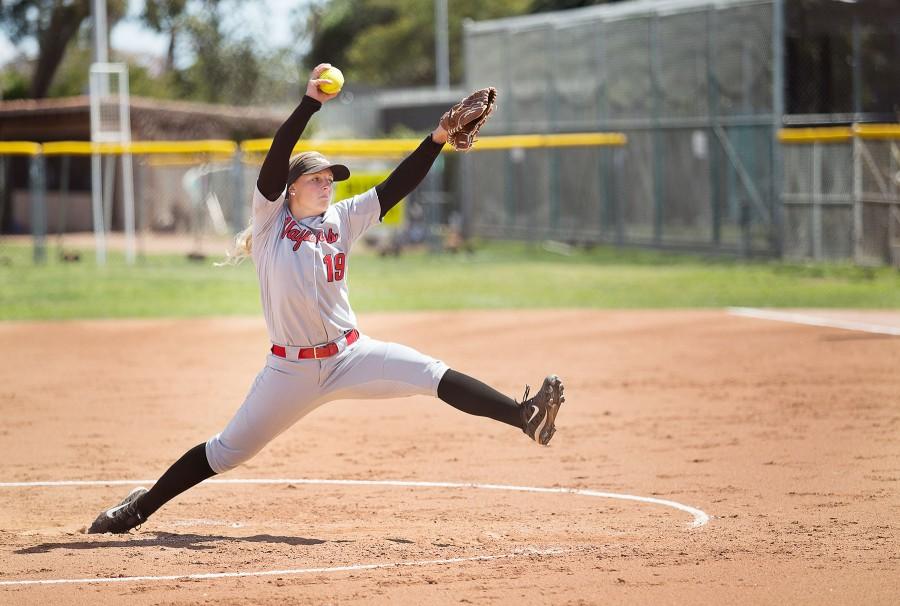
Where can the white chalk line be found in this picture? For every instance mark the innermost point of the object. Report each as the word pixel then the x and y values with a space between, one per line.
pixel 810 320
pixel 288 571
pixel 190 522
pixel 700 518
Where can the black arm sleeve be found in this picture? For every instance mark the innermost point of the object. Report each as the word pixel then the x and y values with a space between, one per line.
pixel 274 171
pixel 407 175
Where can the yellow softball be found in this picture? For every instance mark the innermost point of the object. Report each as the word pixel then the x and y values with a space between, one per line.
pixel 335 81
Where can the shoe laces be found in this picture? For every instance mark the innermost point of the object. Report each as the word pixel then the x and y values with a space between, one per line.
pixel 527 391
pixel 130 511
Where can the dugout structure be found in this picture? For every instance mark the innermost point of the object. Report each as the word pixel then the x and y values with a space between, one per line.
pixel 702 89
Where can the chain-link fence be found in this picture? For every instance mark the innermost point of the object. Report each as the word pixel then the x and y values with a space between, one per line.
pixel 185 191
pixel 840 197
pixel 818 196
pixel 701 88
pixel 842 194
pixel 22 210
pixel 544 193
pixel 877 193
pixel 199 196
pixel 689 83
pixel 191 197
pixel 840 59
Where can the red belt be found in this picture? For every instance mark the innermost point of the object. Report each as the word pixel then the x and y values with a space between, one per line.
pixel 322 351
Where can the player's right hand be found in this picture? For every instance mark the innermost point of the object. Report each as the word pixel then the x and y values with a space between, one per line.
pixel 312 87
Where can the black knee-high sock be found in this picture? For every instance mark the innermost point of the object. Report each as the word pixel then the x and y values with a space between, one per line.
pixel 474 397
pixel 189 470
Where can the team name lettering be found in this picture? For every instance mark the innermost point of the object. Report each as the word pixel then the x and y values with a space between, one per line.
pixel 298 234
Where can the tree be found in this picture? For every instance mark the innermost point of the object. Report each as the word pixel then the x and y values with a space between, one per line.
pixel 71 76
pixel 224 70
pixel 543 6
pixel 224 66
pixel 218 64
pixel 166 17
pixel 334 26
pixel 391 42
pixel 14 84
pixel 52 24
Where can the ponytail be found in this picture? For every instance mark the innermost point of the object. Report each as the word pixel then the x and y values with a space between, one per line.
pixel 243 245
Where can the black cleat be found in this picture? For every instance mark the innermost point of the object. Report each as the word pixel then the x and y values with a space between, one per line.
pixel 539 413
pixel 121 518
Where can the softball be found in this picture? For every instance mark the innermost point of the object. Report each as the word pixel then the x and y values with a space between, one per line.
pixel 335 81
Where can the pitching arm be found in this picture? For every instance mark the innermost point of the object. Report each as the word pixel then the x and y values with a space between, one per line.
pixel 273 174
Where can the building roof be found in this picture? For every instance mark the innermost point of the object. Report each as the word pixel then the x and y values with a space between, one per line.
pixel 69 118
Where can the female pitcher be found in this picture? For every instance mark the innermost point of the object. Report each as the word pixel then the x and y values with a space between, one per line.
pixel 301 244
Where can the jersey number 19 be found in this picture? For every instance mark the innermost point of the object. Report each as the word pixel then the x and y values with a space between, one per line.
pixel 334 265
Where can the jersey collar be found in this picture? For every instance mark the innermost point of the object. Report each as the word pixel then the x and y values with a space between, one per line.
pixel 307 222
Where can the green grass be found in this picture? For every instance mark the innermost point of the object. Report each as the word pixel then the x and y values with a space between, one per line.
pixel 496 275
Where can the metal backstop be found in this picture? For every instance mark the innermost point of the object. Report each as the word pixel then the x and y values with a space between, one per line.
pixel 701 89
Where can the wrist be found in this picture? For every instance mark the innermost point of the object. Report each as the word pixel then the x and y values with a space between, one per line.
pixel 439 135
pixel 311 101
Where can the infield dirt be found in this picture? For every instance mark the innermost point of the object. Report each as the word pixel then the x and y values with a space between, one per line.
pixel 786 435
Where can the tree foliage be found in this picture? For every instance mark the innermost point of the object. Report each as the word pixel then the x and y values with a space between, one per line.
pixel 224 65
pixel 543 6
pixel 219 64
pixel 377 42
pixel 224 70
pixel 333 26
pixel 53 24
pixel 166 17
pixel 392 42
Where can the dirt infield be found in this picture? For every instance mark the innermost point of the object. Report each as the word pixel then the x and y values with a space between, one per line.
pixel 785 435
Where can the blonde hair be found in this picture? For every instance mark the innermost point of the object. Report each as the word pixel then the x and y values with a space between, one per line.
pixel 241 249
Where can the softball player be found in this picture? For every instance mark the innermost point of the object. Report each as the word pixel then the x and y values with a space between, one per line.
pixel 301 244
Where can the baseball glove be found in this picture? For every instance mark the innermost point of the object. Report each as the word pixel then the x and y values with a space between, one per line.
pixel 463 121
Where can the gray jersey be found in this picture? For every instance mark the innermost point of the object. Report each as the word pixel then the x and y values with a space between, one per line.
pixel 304 297
pixel 302 267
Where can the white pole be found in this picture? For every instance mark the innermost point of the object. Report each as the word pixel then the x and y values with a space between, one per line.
pixel 816 207
pixel 97 177
pixel 97 208
pixel 441 44
pixel 778 111
pixel 101 44
pixel 857 143
pixel 109 182
pixel 128 185
pixel 127 171
pixel 101 55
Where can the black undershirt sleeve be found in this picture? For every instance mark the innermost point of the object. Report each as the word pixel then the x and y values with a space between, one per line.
pixel 407 175
pixel 274 172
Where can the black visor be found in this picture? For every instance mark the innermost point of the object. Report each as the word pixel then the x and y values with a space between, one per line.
pixel 313 162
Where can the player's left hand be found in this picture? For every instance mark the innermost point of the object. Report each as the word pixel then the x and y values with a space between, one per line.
pixel 463 121
pixel 312 87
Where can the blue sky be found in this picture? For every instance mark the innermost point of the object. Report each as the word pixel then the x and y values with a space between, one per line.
pixel 268 20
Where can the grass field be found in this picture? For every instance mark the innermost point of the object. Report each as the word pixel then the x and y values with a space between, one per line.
pixel 495 275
